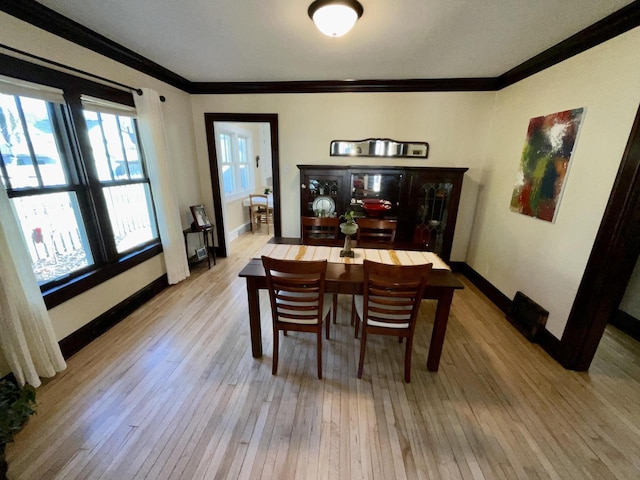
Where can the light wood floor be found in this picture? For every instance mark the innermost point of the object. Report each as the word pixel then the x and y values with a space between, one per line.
pixel 172 392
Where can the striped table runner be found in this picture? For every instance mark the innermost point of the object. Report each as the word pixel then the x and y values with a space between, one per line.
pixel 332 255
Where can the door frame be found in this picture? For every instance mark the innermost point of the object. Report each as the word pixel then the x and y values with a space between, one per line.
pixel 611 263
pixel 272 120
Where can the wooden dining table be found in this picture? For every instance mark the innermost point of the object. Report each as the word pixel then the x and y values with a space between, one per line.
pixel 346 276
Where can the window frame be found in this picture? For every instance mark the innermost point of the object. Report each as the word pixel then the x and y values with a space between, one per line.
pixel 236 133
pixel 108 263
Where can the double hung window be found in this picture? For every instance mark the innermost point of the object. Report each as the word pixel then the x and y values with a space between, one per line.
pixel 234 147
pixel 76 179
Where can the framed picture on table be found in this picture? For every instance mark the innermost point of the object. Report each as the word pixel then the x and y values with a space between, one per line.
pixel 200 218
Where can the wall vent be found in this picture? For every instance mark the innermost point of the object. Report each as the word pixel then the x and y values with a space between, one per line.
pixel 527 316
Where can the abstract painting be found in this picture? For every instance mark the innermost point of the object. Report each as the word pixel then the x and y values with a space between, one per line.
pixel 544 164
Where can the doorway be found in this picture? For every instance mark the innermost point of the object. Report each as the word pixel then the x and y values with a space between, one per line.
pixel 611 263
pixel 211 119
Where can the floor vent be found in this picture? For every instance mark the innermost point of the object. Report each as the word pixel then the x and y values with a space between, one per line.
pixel 527 316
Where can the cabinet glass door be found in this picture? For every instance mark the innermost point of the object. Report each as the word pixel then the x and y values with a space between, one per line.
pixel 375 194
pixel 431 215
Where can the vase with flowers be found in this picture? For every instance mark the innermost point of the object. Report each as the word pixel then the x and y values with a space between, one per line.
pixel 348 227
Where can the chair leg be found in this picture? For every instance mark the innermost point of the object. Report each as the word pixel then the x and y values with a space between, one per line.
pixel 407 359
pixel 327 322
pixel 335 307
pixel 276 339
pixel 319 353
pixel 353 310
pixel 363 346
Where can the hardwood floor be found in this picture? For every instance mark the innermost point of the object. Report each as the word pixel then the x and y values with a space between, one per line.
pixel 172 392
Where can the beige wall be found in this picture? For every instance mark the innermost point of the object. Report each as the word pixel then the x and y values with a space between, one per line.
pixel 456 125
pixel 546 260
pixel 70 316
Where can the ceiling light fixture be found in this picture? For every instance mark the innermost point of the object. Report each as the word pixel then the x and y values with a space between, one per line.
pixel 335 17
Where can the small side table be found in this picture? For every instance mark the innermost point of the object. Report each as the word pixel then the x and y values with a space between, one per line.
pixel 205 238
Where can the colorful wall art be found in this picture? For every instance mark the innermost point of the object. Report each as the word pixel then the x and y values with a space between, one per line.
pixel 544 164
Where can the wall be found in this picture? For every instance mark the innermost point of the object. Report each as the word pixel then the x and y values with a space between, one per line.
pixel 546 260
pixel 456 125
pixel 630 303
pixel 71 315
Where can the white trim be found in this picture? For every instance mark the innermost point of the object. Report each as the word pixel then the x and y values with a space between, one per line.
pixel 105 106
pixel 13 86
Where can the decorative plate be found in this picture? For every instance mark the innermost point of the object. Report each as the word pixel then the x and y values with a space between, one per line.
pixel 324 204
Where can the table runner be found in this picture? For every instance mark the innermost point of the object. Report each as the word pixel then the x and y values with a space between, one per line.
pixel 332 255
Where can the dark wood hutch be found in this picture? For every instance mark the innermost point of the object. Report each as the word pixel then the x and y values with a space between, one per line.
pixel 423 200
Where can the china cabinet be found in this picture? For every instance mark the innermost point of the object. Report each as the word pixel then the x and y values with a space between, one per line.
pixel 423 200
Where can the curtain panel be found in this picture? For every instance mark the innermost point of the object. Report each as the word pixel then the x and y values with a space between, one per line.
pixel 153 138
pixel 27 340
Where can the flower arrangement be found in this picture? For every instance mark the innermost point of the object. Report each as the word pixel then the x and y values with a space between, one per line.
pixel 349 217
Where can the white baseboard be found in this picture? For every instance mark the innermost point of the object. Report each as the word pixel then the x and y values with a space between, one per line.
pixel 233 234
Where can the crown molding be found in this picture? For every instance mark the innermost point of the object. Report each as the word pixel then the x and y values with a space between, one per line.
pixel 609 27
pixel 43 17
pixel 342 86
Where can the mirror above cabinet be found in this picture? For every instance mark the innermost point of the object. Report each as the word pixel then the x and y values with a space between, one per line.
pixel 378 147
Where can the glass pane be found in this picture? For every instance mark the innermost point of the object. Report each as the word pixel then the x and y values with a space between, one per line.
pixel 43 141
pixel 244 176
pixel 98 145
pixel 14 143
pixel 54 233
pixel 131 215
pixel 226 155
pixel 131 150
pixel 243 153
pixel 227 178
pixel 116 151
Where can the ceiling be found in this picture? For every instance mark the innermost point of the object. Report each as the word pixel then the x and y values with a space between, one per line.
pixel 274 40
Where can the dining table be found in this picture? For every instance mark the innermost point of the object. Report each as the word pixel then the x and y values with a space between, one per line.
pixel 345 275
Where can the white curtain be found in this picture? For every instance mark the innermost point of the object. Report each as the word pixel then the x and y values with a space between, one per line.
pixel 27 340
pixel 152 135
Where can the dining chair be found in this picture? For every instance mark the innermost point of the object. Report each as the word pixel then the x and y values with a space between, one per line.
pixel 260 211
pixel 320 231
pixel 376 231
pixel 298 301
pixel 390 304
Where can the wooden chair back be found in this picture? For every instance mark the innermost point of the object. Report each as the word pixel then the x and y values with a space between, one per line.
pixel 320 231
pixel 260 211
pixel 390 304
pixel 296 294
pixel 375 230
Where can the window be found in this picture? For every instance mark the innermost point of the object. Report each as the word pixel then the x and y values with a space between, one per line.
pixel 82 208
pixel 118 162
pixel 234 147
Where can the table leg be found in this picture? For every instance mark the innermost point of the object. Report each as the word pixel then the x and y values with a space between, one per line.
pixel 253 295
pixel 439 329
pixel 205 234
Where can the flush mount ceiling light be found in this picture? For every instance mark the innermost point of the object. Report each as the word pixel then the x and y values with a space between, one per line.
pixel 335 17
